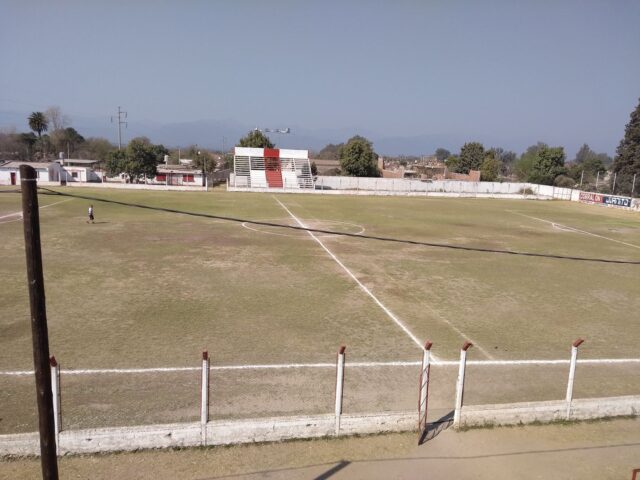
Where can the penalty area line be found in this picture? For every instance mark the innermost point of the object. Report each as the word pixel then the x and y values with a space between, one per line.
pixel 389 313
pixel 575 230
pixel 43 206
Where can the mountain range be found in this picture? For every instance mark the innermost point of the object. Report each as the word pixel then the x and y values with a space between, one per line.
pixel 219 133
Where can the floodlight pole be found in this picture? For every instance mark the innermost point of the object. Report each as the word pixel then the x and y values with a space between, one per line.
pixel 633 185
pixel 597 178
pixel 39 332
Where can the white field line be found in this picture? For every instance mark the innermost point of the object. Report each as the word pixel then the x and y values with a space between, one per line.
pixel 438 316
pixel 389 313
pixel 576 230
pixel 44 206
pixel 290 366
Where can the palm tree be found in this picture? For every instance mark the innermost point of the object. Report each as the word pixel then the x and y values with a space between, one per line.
pixel 38 123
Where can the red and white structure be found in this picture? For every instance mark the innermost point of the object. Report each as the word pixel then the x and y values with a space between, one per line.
pixel 271 168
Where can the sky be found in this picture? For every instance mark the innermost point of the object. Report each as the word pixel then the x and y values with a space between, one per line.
pixel 507 73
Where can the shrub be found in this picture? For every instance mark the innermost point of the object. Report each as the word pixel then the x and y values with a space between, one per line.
pixel 564 181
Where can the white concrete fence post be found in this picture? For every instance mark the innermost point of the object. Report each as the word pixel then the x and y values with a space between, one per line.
pixel 572 373
pixel 339 386
pixel 55 392
pixel 460 383
pixel 424 386
pixel 204 397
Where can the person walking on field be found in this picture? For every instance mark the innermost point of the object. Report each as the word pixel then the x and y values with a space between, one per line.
pixel 90 214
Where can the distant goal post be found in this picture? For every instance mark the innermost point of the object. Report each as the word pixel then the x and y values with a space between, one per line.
pixel 271 168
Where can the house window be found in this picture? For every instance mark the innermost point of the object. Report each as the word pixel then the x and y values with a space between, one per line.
pixel 161 177
pixel 74 174
pixel 187 178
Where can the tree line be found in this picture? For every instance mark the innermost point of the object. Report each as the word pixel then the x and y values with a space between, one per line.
pixel 51 134
pixel 539 163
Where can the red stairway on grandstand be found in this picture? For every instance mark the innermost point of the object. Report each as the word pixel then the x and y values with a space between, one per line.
pixel 272 167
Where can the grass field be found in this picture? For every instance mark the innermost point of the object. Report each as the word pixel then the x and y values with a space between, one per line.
pixel 144 288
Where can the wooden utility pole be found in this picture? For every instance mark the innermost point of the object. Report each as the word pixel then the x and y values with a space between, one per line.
pixel 39 332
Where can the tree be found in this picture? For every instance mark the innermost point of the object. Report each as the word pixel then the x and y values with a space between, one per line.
pixel 330 152
pixel 442 154
pixel 547 165
pixel 471 157
pixel 452 163
pixel 584 153
pixel 314 169
pixel 626 163
pixel 490 168
pixel 256 139
pixel 357 158
pixel 56 119
pixel 506 158
pixel 204 160
pixel 95 148
pixel 138 160
pixel 38 123
pixel 66 140
pixel 525 164
pixel 28 140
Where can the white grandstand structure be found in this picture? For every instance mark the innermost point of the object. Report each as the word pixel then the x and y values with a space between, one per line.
pixel 271 168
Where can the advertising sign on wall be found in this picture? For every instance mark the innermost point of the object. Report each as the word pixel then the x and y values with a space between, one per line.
pixel 589 197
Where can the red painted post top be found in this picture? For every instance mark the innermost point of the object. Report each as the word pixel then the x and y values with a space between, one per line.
pixel 205 355
pixel 466 346
pixel 578 342
pixel 52 361
pixel 272 153
pixel 342 349
pixel 427 345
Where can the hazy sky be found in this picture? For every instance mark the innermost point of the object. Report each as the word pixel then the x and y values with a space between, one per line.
pixel 514 72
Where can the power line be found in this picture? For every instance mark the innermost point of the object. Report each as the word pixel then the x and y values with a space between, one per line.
pixel 346 234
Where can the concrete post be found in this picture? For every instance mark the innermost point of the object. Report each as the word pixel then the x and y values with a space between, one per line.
pixel 339 386
pixel 572 373
pixel 204 398
pixel 460 383
pixel 55 393
pixel 424 385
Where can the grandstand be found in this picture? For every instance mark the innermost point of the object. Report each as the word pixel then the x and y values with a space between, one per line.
pixel 271 168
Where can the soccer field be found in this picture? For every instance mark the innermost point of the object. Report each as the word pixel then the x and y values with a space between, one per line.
pixel 144 288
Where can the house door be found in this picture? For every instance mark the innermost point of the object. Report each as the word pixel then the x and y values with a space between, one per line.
pixel 13 178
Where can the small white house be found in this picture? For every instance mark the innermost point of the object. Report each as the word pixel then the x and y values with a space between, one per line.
pixel 78 170
pixel 47 172
pixel 178 175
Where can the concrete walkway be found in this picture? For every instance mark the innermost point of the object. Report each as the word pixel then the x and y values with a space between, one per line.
pixel 602 450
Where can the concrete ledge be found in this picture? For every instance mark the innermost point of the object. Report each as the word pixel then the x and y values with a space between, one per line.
pixel 217 433
pixel 390 193
pixel 276 429
pixel 529 412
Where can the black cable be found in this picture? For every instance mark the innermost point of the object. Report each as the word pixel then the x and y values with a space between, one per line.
pixel 346 234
